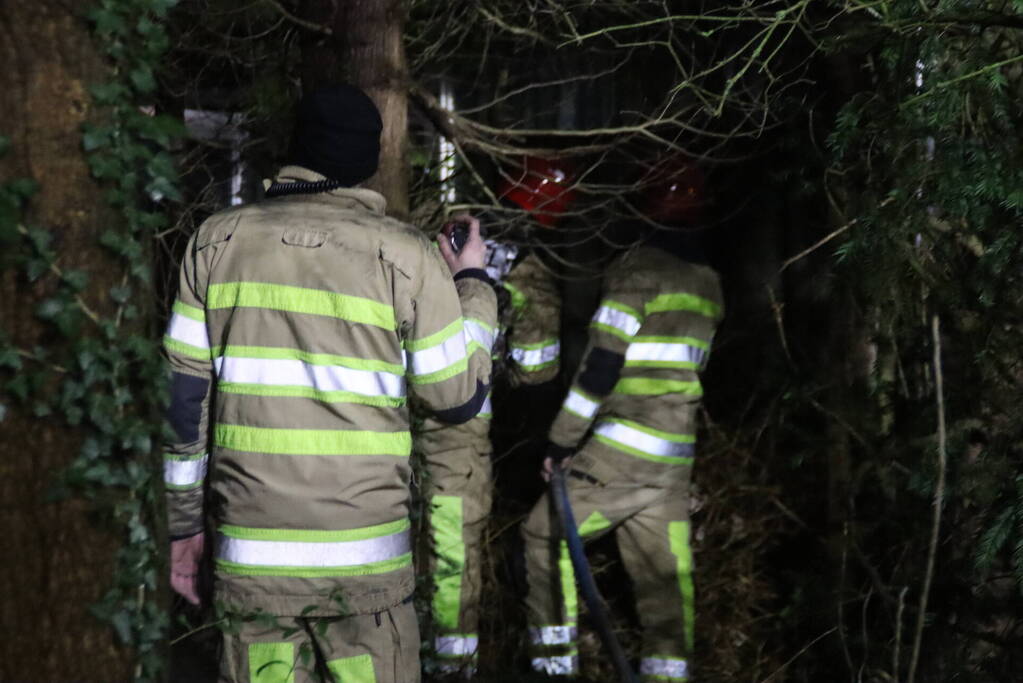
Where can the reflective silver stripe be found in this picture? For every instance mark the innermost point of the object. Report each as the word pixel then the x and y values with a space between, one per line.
pixel 188 331
pixel 619 320
pixel 440 356
pixel 580 405
pixel 553 635
pixel 185 472
pixel 478 333
pixel 291 372
pixel 456 646
pixel 563 665
pixel 640 440
pixel 530 357
pixel 657 666
pixel 311 553
pixel 682 353
pixel 488 408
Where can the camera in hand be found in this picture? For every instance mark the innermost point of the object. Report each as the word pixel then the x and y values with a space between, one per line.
pixel 458 233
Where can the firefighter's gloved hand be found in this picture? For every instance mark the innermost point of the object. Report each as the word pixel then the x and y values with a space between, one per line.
pixel 472 255
pixel 557 456
pixel 184 566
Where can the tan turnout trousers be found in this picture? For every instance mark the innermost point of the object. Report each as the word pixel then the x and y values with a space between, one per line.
pixel 368 648
pixel 651 527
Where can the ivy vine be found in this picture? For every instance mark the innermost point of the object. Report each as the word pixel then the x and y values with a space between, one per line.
pixel 103 375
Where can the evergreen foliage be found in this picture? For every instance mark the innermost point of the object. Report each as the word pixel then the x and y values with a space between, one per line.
pixel 102 374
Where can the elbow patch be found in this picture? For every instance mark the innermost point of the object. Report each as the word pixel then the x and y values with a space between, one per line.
pixel 185 411
pixel 601 371
pixel 467 410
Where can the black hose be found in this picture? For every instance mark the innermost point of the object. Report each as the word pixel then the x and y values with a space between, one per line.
pixel 585 577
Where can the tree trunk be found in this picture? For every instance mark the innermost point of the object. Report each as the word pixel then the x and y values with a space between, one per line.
pixel 57 563
pixel 365 48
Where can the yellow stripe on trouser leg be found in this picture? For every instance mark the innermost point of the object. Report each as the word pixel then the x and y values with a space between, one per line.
pixel 272 663
pixel 358 669
pixel 449 549
pixel 678 534
pixel 594 523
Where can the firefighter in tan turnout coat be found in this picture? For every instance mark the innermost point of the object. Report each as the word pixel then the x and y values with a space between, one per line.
pixel 630 418
pixel 457 457
pixel 302 326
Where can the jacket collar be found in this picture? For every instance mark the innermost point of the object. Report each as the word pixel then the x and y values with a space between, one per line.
pixel 347 197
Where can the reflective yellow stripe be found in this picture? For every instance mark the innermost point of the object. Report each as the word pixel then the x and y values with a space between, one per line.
pixel 681 301
pixel 188 311
pixel 678 536
pixel 300 300
pixel 449 554
pixel 271 662
pixel 357 669
pixel 311 441
pixel 643 386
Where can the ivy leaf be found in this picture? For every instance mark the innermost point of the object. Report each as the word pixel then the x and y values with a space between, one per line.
pixel 108 93
pixel 35 269
pixel 94 138
pixel 76 279
pixel 121 621
pixel 23 188
pixel 50 308
pixel 9 358
pixel 120 294
pixel 142 79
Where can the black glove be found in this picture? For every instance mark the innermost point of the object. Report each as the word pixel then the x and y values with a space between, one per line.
pixel 558 453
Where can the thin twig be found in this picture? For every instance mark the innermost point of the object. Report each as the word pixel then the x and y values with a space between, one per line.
pixel 299 21
pixel 800 653
pixel 898 634
pixel 827 238
pixel 939 499
pixel 201 627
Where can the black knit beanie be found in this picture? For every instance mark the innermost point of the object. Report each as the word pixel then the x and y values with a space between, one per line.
pixel 337 134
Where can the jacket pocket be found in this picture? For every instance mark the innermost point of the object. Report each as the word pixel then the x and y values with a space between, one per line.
pixel 297 237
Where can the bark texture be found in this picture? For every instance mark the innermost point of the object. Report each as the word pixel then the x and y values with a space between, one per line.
pixel 57 562
pixel 364 47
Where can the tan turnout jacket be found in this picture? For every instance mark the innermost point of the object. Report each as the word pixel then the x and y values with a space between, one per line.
pixel 302 325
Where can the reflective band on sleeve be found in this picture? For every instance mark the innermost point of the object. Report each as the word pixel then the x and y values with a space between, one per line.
pixel 531 356
pixel 298 373
pixel 553 635
pixel 439 357
pixel 189 311
pixel 311 553
pixel 185 473
pixel 679 446
pixel 480 333
pixel 673 669
pixel 563 665
pixel 488 408
pixel 456 646
pixel 626 323
pixel 664 353
pixel 646 386
pixel 580 404
pixel 682 302
pixel 188 331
